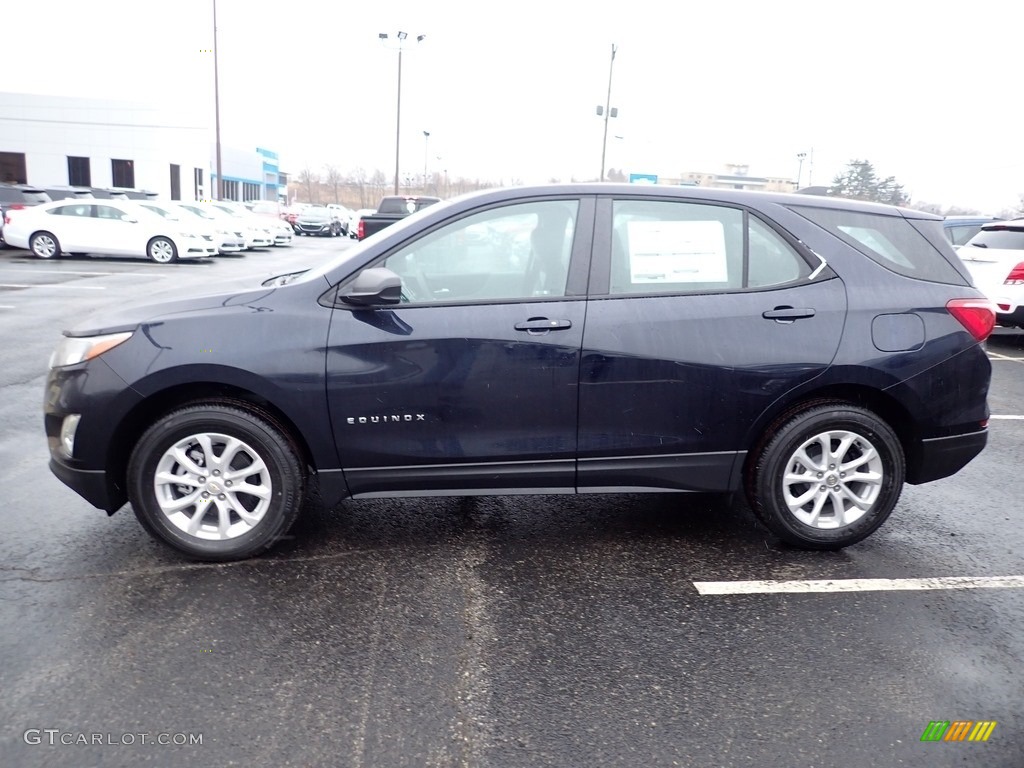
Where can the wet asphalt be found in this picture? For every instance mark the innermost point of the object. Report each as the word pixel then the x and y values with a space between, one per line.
pixel 492 631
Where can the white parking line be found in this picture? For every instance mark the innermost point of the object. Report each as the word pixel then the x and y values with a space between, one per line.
pixel 996 356
pixel 7 306
pixel 1012 418
pixel 55 285
pixel 857 585
pixel 54 272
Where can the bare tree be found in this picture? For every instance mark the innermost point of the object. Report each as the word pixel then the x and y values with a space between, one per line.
pixel 333 179
pixel 308 179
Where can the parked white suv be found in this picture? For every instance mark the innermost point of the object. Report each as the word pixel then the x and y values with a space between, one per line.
pixel 995 259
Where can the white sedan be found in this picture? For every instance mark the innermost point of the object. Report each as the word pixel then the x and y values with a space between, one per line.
pixel 221 231
pixel 995 259
pixel 257 228
pixel 118 227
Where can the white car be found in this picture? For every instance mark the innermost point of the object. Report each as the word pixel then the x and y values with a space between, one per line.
pixel 258 233
pixel 216 231
pixel 995 259
pixel 117 227
pixel 282 231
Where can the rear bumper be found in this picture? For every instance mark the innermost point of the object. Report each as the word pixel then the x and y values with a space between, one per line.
pixel 1014 317
pixel 941 457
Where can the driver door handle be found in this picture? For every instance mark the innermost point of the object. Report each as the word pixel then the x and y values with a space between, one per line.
pixel 783 314
pixel 542 324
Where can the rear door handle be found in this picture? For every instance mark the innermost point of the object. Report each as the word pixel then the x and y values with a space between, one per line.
pixel 787 314
pixel 542 325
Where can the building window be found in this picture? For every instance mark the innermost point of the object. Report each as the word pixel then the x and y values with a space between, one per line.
pixel 79 174
pixel 251 191
pixel 123 172
pixel 230 190
pixel 12 168
pixel 175 182
pixel 197 177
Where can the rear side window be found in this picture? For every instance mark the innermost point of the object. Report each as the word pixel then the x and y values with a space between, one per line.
pixel 672 247
pixel 999 237
pixel 891 241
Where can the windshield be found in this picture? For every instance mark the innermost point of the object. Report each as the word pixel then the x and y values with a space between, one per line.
pixel 229 211
pixel 999 237
pixel 161 211
pixel 319 214
pixel 196 211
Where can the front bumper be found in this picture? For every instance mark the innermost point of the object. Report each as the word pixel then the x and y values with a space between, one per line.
pixel 93 485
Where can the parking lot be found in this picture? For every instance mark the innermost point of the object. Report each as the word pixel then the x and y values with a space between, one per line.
pixel 621 630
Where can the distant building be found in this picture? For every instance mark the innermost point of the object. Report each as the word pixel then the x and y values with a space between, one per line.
pixel 53 141
pixel 735 177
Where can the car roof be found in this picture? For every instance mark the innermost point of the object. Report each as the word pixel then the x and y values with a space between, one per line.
pixel 997 225
pixel 705 194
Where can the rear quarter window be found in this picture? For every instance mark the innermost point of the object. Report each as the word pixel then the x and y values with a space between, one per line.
pixel 891 241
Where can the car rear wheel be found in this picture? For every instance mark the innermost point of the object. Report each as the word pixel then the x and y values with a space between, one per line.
pixel 216 482
pixel 826 477
pixel 162 250
pixel 44 245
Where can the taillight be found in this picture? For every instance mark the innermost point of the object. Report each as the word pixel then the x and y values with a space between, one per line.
pixel 1016 276
pixel 361 231
pixel 978 316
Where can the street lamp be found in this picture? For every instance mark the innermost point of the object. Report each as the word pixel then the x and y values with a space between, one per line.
pixel 800 168
pixel 426 147
pixel 400 37
pixel 216 108
pixel 608 111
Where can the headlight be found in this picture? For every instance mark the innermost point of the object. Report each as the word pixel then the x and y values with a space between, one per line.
pixel 76 350
pixel 192 235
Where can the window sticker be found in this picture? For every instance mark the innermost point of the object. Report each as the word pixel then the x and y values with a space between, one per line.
pixel 677 252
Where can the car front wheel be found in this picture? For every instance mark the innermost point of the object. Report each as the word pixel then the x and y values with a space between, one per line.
pixel 44 245
pixel 162 250
pixel 216 481
pixel 826 477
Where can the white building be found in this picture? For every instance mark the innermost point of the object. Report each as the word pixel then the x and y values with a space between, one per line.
pixel 51 141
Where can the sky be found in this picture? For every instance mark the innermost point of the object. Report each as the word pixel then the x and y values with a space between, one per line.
pixel 925 91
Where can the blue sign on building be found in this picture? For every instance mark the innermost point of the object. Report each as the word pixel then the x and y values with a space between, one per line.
pixel 643 178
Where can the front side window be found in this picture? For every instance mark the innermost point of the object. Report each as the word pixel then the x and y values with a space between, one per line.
pixel 514 252
pixel 72 210
pixel 108 212
pixel 681 247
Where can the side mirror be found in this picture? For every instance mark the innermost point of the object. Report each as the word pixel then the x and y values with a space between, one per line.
pixel 129 218
pixel 374 286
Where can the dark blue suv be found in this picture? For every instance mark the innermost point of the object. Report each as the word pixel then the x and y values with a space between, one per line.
pixel 816 352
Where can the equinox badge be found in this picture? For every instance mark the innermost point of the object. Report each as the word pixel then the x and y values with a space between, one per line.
pixel 394 417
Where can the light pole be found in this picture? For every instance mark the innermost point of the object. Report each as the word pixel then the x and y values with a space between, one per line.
pixel 216 106
pixel 401 38
pixel 607 111
pixel 800 168
pixel 426 148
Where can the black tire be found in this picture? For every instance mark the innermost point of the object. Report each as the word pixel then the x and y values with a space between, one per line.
pixel 162 250
pixel 44 245
pixel 776 466
pixel 269 518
